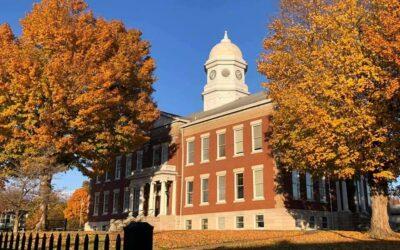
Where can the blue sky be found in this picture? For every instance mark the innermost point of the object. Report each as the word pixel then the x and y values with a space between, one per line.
pixel 181 32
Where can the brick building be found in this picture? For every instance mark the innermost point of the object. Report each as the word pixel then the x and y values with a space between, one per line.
pixel 213 169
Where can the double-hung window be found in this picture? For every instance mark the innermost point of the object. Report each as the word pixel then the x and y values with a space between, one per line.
pixel 106 199
pixel 259 221
pixel 295 185
pixel 238 140
pixel 96 204
pixel 258 182
pixel 127 194
pixel 256 136
pixel 116 201
pixel 322 189
pixel 190 151
pixel 239 222
pixel 118 167
pixel 107 177
pixel 205 145
pixel 139 160
pixel 221 186
pixel 136 198
pixel 128 165
pixel 189 192
pixel 164 153
pixel 221 144
pixel 204 189
pixel 310 186
pixel 156 155
pixel 239 185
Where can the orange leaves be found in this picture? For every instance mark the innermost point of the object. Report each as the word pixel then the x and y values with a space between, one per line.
pixel 78 205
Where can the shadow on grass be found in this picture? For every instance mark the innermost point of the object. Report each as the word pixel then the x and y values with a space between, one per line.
pixel 284 244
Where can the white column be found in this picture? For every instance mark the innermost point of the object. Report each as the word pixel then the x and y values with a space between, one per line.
pixel 163 200
pixel 141 200
pixel 338 197
pixel 344 196
pixel 131 192
pixel 362 194
pixel 151 199
pixel 173 202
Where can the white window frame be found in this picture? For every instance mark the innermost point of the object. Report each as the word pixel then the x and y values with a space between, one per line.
pixel 107 177
pixel 155 148
pixel 253 124
pixel 188 225
pixel 188 141
pixel 187 180
pixel 255 169
pixel 218 222
pixel 235 131
pixel 203 137
pixel 221 132
pixel 296 194
pixel 128 165
pixel 96 205
pixel 236 172
pixel 136 200
pixel 116 209
pixel 139 160
pixel 220 174
pixel 202 223
pixel 97 179
pixel 127 196
pixel 204 177
pixel 106 193
pixel 164 153
pixel 309 187
pixel 118 167
pixel 256 222
pixel 236 222
pixel 322 189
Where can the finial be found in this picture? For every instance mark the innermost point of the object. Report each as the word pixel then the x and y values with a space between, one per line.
pixel 226 38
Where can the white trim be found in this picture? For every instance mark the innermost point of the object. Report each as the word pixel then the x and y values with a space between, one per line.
pixel 204 177
pixel 205 136
pixel 189 178
pixel 190 139
pixel 253 124
pixel 222 132
pixel 238 171
pixel 220 174
pixel 95 213
pixel 235 131
pixel 235 222
pixel 187 152
pixel 126 209
pixel 186 192
pixel 256 122
pixel 108 201
pixel 238 126
pixel 255 222
pixel 258 168
pixel 115 191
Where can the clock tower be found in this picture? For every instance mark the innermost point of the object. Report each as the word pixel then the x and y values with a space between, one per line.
pixel 225 69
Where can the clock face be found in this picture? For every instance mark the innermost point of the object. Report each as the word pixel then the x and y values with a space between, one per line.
pixel 213 74
pixel 225 72
pixel 238 74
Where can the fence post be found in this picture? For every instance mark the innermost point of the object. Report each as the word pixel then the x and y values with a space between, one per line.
pixel 11 241
pixel 76 245
pixel 36 246
pixel 44 242
pixel 96 242
pixel 86 243
pixel 5 241
pixel 118 243
pixel 17 242
pixel 67 242
pixel 51 242
pixel 138 235
pixel 30 239
pixel 59 242
pixel 23 241
pixel 107 242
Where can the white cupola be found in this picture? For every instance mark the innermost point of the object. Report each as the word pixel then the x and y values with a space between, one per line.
pixel 226 71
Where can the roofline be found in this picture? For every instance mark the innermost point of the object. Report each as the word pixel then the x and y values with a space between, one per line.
pixel 228 112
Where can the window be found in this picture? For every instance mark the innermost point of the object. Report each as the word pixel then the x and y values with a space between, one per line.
pixel 259 221
pixel 204 190
pixel 310 187
pixel 116 202
pixel 189 193
pixel 136 198
pixel 164 153
pixel 322 189
pixel 256 136
pixel 156 155
pixel 324 222
pixel 205 144
pixel 239 186
pixel 96 204
pixel 127 194
pixel 188 224
pixel 97 179
pixel 118 167
pixel 296 185
pixel 204 224
pixel 221 145
pixel 107 176
pixel 258 182
pixel 139 160
pixel 238 138
pixel 190 152
pixel 221 222
pixel 221 188
pixel 106 198
pixel 239 222
pixel 311 222
pixel 299 223
pixel 128 165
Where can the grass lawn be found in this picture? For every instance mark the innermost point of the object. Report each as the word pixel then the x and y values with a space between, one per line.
pixel 320 240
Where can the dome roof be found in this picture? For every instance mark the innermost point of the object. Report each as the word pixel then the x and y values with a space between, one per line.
pixel 225 49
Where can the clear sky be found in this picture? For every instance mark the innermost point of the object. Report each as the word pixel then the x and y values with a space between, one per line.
pixel 182 33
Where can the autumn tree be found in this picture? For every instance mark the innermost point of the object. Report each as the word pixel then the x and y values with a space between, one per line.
pixel 334 112
pixel 78 205
pixel 75 90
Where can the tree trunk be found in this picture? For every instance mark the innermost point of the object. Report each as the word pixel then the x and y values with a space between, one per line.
pixel 380 227
pixel 16 222
pixel 45 192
